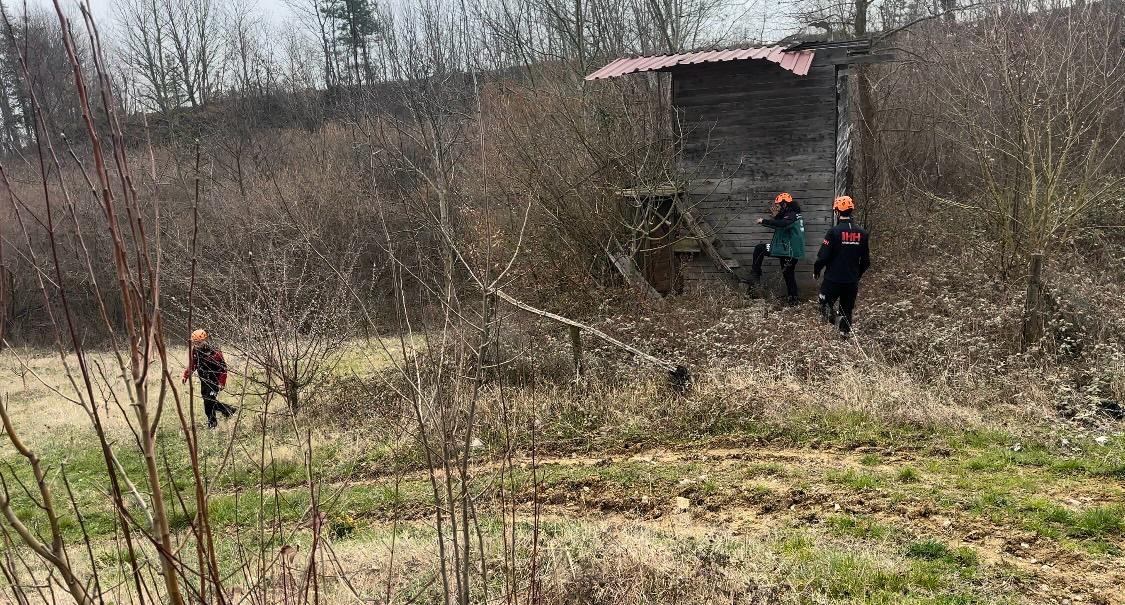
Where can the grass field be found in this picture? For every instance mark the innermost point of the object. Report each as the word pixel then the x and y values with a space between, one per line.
pixel 846 505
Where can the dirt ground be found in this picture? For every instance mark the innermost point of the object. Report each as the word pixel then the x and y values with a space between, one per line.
pixel 947 519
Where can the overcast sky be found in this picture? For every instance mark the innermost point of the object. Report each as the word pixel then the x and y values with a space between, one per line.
pixel 277 12
pixel 764 20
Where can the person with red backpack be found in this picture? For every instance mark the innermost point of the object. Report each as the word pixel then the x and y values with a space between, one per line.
pixel 208 363
pixel 844 256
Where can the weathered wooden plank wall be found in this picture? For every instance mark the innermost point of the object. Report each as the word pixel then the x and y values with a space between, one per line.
pixel 751 130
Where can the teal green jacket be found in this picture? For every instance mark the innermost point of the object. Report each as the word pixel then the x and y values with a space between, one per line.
pixel 788 233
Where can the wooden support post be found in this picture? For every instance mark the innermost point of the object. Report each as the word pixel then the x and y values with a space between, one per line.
pixel 1033 303
pixel 576 349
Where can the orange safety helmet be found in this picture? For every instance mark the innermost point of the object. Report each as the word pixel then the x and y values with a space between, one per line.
pixel 783 198
pixel 843 203
pixel 199 336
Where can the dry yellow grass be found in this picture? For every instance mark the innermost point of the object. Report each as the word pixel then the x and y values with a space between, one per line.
pixel 46 402
pixel 761 528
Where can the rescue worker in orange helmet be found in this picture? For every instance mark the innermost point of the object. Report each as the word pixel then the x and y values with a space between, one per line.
pixel 844 257
pixel 208 363
pixel 787 245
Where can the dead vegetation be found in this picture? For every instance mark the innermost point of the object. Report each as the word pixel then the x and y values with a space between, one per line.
pixel 408 434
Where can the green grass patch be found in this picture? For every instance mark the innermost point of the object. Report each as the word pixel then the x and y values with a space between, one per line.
pixel 1052 520
pixel 1098 522
pixel 708 488
pixel 857 480
pixel 927 549
pixel 863 572
pixel 849 429
pixel 858 527
pixel 797 544
pixel 852 575
pixel 992 498
pixel 931 550
pixel 870 460
pixel 757 493
pixel 1090 459
pixel 278 473
pixel 908 475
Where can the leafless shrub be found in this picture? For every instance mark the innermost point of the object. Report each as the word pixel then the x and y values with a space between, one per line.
pixel 137 383
pixel 289 314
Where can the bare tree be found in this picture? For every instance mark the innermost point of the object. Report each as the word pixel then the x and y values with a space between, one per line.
pixel 313 15
pixel 157 564
pixel 147 51
pixel 36 33
pixel 250 58
pixel 196 38
pixel 288 314
pixel 1037 121
pixel 175 48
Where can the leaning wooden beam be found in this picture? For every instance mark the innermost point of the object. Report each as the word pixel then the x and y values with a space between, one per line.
pixel 706 239
pixel 678 373
pixel 629 270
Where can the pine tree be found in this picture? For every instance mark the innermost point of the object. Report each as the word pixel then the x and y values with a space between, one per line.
pixel 357 22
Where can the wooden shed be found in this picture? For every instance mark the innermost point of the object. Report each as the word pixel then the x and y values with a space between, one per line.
pixel 754 122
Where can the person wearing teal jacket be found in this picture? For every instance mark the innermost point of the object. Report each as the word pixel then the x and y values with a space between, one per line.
pixel 787 245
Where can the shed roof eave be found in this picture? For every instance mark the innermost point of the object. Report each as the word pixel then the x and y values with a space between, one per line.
pixel 798 62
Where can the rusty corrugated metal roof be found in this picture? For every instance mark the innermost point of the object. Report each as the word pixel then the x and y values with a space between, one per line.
pixel 797 62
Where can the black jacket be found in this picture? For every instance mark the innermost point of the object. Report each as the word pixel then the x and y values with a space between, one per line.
pixel 844 254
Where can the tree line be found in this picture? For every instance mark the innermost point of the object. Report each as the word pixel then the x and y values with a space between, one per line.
pixel 329 145
pixel 450 161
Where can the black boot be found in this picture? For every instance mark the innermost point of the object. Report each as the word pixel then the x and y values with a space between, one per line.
pixel 792 301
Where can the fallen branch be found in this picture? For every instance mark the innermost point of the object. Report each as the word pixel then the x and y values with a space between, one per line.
pixel 679 374
pixel 136 493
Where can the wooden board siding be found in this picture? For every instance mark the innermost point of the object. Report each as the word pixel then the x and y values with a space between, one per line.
pixel 751 130
pixel 697 273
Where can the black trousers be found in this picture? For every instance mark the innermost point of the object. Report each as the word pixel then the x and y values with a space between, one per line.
pixel 788 268
pixel 211 404
pixel 830 293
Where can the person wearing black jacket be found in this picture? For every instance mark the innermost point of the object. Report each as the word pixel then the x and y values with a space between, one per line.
pixel 207 362
pixel 843 258
pixel 787 244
